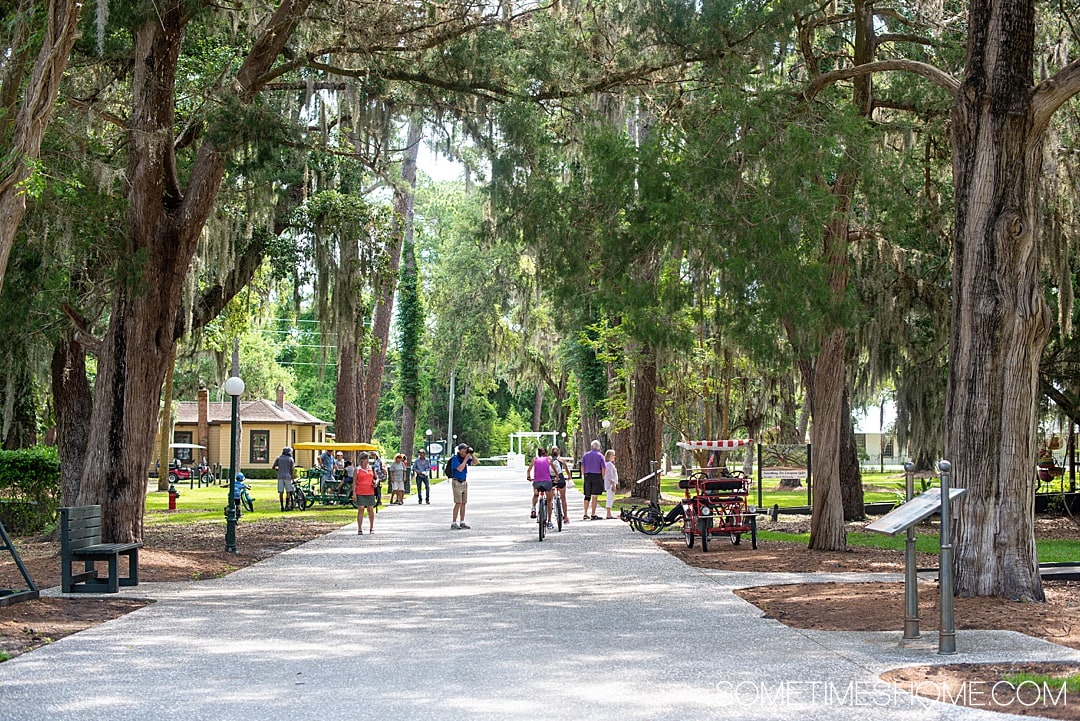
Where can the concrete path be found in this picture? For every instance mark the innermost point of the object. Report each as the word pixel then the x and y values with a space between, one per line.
pixel 422 622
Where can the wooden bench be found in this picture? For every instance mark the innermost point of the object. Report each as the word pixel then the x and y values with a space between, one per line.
pixel 80 540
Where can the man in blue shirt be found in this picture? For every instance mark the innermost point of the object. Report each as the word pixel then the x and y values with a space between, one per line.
pixel 421 469
pixel 459 470
pixel 326 465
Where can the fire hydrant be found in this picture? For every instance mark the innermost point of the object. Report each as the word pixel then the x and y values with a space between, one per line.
pixel 173 495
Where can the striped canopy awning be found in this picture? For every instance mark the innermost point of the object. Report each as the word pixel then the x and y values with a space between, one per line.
pixel 726 445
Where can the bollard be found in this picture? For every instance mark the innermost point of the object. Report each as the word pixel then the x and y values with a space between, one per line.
pixel 947 632
pixel 911 575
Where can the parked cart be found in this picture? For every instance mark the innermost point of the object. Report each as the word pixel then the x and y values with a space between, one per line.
pixel 715 500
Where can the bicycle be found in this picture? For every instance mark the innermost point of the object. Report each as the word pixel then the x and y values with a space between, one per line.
pixel 246 500
pixel 541 514
pixel 299 498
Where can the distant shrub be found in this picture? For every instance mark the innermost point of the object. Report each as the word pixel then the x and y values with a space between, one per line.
pixel 29 489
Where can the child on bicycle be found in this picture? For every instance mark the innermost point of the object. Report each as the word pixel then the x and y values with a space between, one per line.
pixel 539 472
pixel 238 493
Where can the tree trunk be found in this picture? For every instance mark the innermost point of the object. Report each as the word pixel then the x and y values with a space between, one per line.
pixel 789 409
pixel 645 427
pixel 164 228
pixel 73 403
pixel 39 98
pixel 1000 322
pixel 384 309
pixel 851 490
pixel 349 321
pixel 827 521
pixel 413 327
pixel 538 407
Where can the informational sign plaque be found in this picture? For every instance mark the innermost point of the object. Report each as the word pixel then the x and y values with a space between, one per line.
pixel 914 511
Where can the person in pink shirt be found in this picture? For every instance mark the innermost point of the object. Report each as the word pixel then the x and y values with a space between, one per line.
pixel 539 472
pixel 363 494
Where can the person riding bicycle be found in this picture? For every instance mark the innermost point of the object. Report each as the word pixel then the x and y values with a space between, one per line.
pixel 539 472
pixel 560 474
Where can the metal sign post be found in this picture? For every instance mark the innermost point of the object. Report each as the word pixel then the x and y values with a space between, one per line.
pixel 905 517
pixel 947 632
pixel 911 572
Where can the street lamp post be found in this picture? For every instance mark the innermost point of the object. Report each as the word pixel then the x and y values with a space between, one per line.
pixel 234 387
pixel 427 446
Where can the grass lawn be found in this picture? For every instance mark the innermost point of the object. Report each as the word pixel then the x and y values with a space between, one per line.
pixel 876 487
pixel 208 504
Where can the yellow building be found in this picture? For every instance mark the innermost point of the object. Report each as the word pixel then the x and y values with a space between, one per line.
pixel 265 428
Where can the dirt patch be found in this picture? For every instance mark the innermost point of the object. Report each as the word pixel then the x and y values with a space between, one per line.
pixel 996 687
pixel 880 607
pixel 170 553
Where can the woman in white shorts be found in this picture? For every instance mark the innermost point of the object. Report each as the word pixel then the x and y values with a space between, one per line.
pixel 611 481
pixel 397 480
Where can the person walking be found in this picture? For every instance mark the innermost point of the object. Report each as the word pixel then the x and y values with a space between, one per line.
pixel 560 475
pixel 363 494
pixel 397 480
pixel 380 475
pixel 286 472
pixel 421 469
pixel 593 467
pixel 611 481
pixel 458 465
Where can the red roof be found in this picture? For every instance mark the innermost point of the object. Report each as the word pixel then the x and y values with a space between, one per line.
pixel 259 411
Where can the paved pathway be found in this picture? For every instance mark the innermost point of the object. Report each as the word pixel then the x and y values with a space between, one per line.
pixel 421 622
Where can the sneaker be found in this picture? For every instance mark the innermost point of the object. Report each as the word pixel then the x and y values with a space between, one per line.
pixel 551 525
pixel 454 526
pixel 532 514
pixel 428 502
pixel 464 525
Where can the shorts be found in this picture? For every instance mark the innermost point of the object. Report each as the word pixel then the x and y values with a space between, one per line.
pixel 285 484
pixel 594 485
pixel 461 490
pixel 365 501
pixel 397 485
pixel 559 482
pixel 544 486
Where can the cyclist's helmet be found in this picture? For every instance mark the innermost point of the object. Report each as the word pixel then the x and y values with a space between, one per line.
pixel 239 476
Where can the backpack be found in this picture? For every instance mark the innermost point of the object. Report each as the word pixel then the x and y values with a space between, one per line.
pixel 448 470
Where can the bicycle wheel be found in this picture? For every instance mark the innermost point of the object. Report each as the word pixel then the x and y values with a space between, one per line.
pixel 249 505
pixel 558 514
pixel 688 534
pixel 651 522
pixel 705 525
pixel 541 516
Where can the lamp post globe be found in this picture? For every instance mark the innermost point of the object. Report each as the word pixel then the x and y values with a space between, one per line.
pixel 234 387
